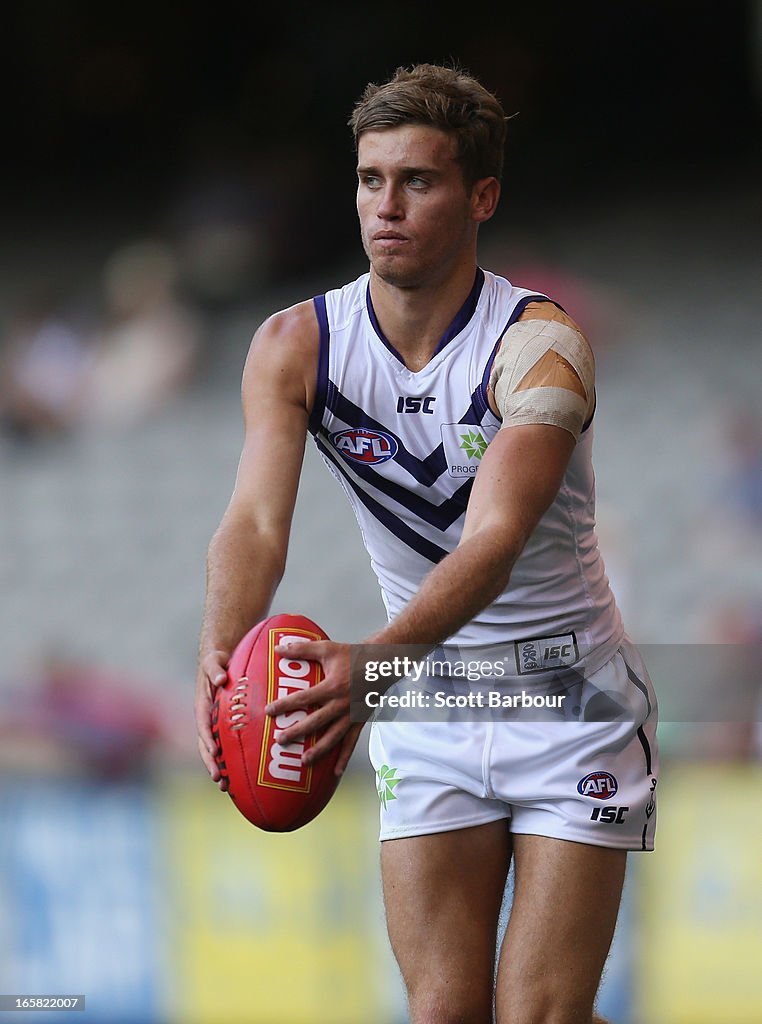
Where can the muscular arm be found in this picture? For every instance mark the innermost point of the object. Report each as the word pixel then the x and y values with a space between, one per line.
pixel 247 554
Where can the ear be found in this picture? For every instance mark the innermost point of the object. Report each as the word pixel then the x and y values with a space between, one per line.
pixel 485 195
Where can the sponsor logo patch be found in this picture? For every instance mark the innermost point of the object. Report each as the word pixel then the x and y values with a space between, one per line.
pixel 367 446
pixel 599 785
pixel 464 445
pixel 542 653
pixel 473 444
pixel 386 783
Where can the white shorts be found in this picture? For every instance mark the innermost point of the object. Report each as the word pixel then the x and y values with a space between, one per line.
pixel 585 781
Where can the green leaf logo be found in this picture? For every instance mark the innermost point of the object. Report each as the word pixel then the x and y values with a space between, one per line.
pixel 386 783
pixel 473 444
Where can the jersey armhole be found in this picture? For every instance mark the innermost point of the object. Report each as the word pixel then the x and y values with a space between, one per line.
pixel 589 419
pixel 321 385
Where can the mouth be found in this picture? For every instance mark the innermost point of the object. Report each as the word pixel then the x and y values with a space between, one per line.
pixel 389 236
pixel 390 242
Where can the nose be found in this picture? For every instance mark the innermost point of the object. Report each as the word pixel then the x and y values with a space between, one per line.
pixel 389 204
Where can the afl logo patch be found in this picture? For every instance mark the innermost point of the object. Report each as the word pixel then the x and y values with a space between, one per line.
pixel 600 785
pixel 368 446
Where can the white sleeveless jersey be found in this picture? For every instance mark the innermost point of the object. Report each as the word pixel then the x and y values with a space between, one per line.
pixel 405 447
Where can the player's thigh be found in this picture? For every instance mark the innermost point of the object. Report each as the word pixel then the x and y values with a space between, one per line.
pixel 442 894
pixel 565 905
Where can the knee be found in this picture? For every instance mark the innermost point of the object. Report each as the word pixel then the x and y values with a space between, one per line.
pixel 552 1017
pixel 445 1007
pixel 549 1013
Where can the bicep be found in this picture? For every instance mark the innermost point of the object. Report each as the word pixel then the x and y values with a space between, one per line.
pixel 518 479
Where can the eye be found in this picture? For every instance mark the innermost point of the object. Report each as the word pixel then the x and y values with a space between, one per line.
pixel 416 182
pixel 370 180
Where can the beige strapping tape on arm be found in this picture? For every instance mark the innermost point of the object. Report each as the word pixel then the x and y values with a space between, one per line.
pixel 524 343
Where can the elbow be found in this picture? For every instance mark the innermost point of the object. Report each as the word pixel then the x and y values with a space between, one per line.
pixel 242 543
pixel 493 553
pixel 498 543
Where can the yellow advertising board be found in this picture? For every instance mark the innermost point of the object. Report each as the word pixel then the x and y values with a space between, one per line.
pixel 265 927
pixel 700 899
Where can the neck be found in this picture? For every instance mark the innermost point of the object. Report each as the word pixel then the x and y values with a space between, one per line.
pixel 415 319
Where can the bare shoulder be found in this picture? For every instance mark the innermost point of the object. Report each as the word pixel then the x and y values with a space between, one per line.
pixel 549 311
pixel 288 336
pixel 283 356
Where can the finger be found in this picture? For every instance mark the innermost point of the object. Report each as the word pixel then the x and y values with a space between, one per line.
pixel 203 713
pixel 314 722
pixel 210 744
pixel 218 679
pixel 209 762
pixel 213 768
pixel 204 729
pixel 216 673
pixel 347 748
pixel 302 650
pixel 300 700
pixel 326 742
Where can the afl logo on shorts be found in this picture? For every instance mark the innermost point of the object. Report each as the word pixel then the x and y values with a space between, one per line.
pixel 367 446
pixel 600 785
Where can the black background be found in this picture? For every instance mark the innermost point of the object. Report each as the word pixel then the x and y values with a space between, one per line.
pixel 117 112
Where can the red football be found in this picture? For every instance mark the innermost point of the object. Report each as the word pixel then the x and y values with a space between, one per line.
pixel 267 782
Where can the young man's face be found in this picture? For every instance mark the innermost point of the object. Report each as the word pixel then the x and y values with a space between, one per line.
pixel 416 213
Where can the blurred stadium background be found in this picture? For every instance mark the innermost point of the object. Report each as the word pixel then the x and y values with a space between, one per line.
pixel 170 179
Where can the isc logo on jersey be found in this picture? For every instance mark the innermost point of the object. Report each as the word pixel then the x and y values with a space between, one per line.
pixel 366 446
pixel 281 766
pixel 600 785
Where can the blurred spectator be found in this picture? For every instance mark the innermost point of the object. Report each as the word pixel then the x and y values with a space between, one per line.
pixel 744 483
pixel 737 625
pixel 147 348
pixel 68 716
pixel 44 374
pixel 738 622
pixel 139 352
